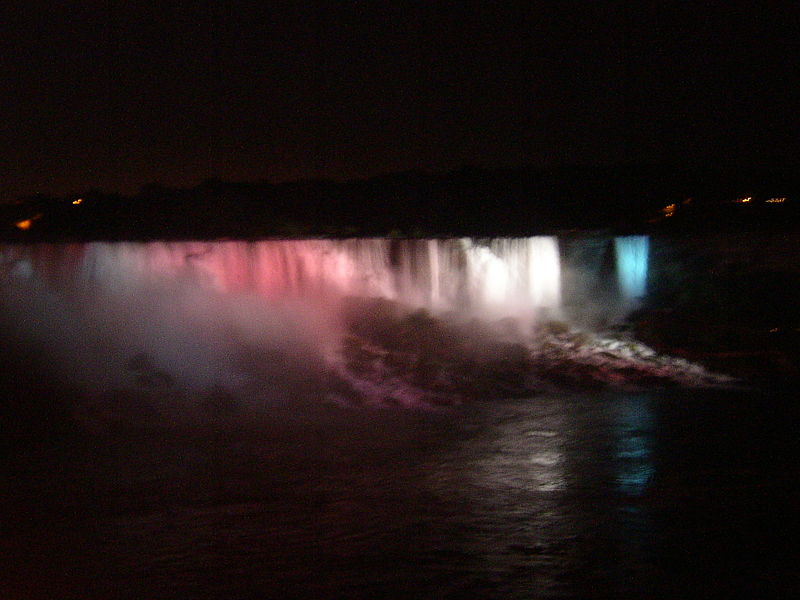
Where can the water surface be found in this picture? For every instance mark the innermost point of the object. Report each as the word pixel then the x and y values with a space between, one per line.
pixel 668 494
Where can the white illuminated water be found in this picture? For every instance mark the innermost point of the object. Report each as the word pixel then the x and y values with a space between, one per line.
pixel 514 274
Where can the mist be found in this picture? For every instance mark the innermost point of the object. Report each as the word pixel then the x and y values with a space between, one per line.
pixel 177 328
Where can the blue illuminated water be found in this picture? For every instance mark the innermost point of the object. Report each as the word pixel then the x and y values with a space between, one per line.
pixel 632 261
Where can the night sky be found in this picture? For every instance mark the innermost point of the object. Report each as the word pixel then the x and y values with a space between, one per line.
pixel 115 96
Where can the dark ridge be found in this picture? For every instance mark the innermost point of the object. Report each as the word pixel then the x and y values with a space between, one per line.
pixel 470 201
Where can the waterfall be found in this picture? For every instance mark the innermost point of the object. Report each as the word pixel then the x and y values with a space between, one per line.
pixel 174 320
pixel 501 276
pixel 505 276
pixel 520 275
pixel 190 305
pixel 544 272
pixel 435 276
pixel 632 256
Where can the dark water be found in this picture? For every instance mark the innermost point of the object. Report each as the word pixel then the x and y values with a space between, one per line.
pixel 670 494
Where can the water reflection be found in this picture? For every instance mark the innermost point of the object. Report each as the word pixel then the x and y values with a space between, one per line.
pixel 546 497
pixel 555 487
pixel 560 445
pixel 634 430
pixel 525 452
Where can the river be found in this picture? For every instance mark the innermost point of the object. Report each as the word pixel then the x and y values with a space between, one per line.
pixel 675 493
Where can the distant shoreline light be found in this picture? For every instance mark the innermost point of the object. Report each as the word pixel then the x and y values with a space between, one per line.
pixel 25 224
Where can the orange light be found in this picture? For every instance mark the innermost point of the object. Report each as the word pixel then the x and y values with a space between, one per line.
pixel 25 224
pixel 669 210
pixel 776 200
pixel 77 201
pixel 744 200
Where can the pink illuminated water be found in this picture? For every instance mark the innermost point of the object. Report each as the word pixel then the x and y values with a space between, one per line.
pixel 508 275
pixel 191 307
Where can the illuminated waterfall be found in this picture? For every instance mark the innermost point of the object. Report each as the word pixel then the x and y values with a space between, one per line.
pixel 435 276
pixel 184 323
pixel 519 275
pixel 544 272
pixel 632 256
pixel 505 276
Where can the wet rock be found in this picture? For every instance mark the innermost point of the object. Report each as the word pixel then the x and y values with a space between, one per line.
pixel 415 355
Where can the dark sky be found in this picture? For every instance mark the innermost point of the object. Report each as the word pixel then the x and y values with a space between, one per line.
pixel 114 96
